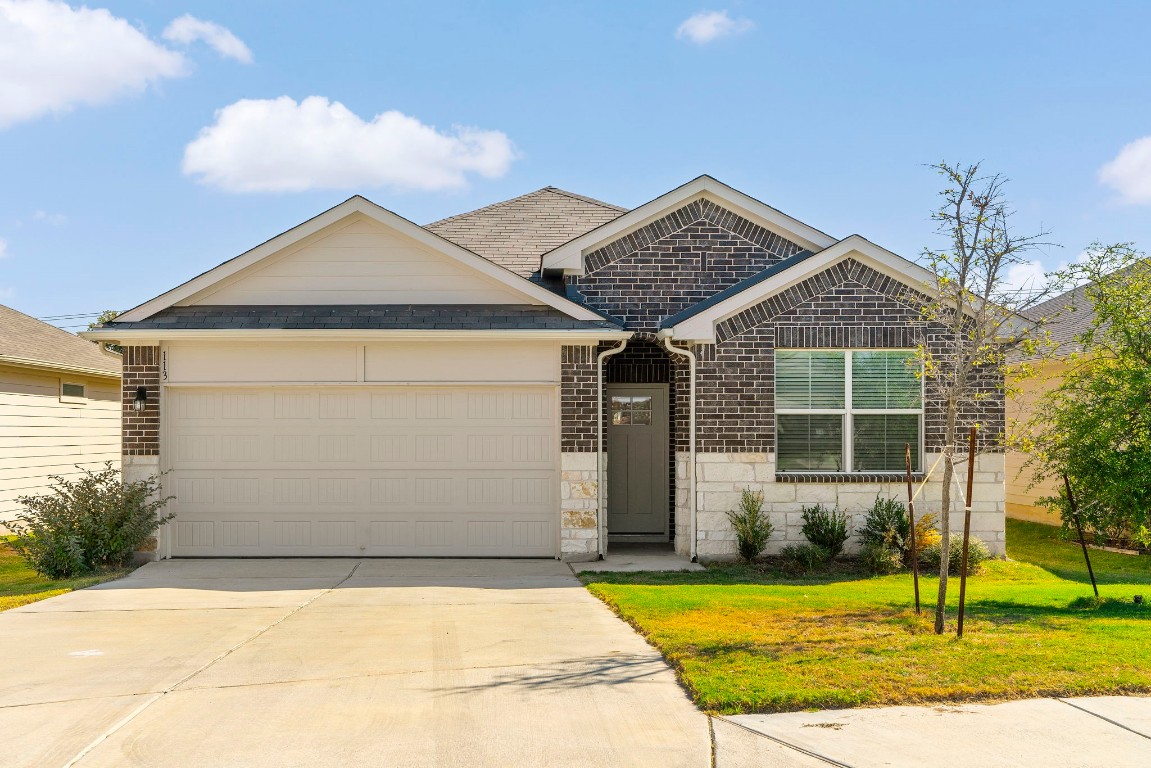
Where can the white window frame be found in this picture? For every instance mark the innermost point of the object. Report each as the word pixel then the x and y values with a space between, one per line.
pixel 847 412
pixel 80 399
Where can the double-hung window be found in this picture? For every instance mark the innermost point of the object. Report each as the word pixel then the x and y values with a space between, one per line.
pixel 847 410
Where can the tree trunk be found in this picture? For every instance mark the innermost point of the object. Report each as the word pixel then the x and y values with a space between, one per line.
pixel 945 515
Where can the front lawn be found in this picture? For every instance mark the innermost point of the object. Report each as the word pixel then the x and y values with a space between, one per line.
pixel 20 585
pixel 748 641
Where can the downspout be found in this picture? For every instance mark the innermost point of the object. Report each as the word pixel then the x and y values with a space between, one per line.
pixel 600 480
pixel 666 334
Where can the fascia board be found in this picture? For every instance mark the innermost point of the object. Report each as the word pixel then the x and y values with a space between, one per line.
pixel 569 256
pixel 23 362
pixel 701 327
pixel 203 282
pixel 153 336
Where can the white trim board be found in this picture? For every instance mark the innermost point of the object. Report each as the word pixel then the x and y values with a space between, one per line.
pixel 569 256
pixel 532 293
pixel 701 327
pixel 152 336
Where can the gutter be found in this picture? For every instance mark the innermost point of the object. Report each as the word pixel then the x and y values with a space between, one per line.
pixel 152 335
pixel 666 335
pixel 601 481
pixel 25 362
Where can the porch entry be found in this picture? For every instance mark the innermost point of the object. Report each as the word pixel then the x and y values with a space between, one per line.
pixel 637 461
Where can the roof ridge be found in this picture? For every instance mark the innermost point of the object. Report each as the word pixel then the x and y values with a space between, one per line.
pixel 586 199
pixel 501 203
pixel 488 207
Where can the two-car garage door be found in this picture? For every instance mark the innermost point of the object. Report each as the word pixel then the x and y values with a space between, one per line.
pixel 362 470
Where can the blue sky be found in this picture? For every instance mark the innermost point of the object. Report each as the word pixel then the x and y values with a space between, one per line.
pixel 828 111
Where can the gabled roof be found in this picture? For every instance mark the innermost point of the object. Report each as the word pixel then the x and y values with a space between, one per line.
pixel 569 256
pixel 1066 317
pixel 698 323
pixel 27 341
pixel 516 232
pixel 532 292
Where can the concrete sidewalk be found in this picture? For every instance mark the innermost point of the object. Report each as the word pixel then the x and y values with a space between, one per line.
pixel 1099 732
pixel 318 663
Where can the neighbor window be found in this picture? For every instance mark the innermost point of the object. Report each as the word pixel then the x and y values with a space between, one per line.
pixel 847 411
pixel 71 391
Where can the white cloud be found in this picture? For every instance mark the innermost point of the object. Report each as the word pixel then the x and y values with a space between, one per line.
pixel 279 145
pixel 1027 277
pixel 51 219
pixel 54 57
pixel 188 29
pixel 3 248
pixel 708 26
pixel 1129 173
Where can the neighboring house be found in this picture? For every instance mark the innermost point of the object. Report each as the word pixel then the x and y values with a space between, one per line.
pixel 59 407
pixel 361 385
pixel 1066 317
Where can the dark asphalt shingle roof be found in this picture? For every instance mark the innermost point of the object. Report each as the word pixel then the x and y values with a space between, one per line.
pixel 1066 317
pixel 448 317
pixel 732 290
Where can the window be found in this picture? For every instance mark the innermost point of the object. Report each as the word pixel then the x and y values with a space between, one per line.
pixel 847 411
pixel 635 410
pixel 71 392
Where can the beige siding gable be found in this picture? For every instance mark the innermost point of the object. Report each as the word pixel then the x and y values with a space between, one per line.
pixel 358 261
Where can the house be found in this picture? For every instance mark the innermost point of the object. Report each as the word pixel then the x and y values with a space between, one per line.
pixel 59 407
pixel 1066 317
pixel 361 385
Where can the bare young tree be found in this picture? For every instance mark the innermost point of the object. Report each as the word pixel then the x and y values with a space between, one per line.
pixel 973 318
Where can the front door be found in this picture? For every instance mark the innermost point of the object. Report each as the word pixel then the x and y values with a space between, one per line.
pixel 637 460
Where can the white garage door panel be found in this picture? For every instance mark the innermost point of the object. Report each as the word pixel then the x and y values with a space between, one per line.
pixel 438 471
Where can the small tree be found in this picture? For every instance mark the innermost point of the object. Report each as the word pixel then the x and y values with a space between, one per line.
pixel 751 524
pixel 1095 427
pixel 972 318
pixel 107 316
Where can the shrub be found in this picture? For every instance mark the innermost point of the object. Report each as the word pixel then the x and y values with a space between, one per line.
pixel 880 560
pixel 751 525
pixel 887 526
pixel 826 528
pixel 801 559
pixel 977 554
pixel 84 524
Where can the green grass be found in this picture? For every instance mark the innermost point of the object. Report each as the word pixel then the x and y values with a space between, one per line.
pixel 750 640
pixel 20 585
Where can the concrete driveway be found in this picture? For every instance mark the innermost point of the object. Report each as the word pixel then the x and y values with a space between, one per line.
pixel 338 662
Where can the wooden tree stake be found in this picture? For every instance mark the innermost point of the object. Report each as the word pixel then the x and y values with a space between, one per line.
pixel 911 526
pixel 1079 527
pixel 966 529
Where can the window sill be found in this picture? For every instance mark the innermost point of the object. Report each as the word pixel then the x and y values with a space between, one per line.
pixel 846 477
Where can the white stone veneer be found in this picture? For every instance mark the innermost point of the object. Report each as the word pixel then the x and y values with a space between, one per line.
pixel 721 477
pixel 579 502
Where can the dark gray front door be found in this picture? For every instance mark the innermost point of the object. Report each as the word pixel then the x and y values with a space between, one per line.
pixel 637 459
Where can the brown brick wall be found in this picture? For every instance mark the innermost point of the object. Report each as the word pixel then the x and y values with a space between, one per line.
pixel 578 399
pixel 677 261
pixel 141 367
pixel 849 306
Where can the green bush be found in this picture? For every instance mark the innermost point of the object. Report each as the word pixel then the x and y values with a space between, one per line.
pixel 826 528
pixel 977 554
pixel 751 525
pixel 88 523
pixel 886 525
pixel 880 560
pixel 802 559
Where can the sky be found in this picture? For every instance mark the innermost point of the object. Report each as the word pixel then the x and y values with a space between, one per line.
pixel 144 142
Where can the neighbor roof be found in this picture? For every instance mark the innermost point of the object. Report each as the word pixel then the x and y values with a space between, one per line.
pixel 516 232
pixel 430 317
pixel 25 340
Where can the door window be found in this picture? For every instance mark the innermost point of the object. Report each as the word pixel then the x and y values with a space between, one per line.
pixel 631 410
